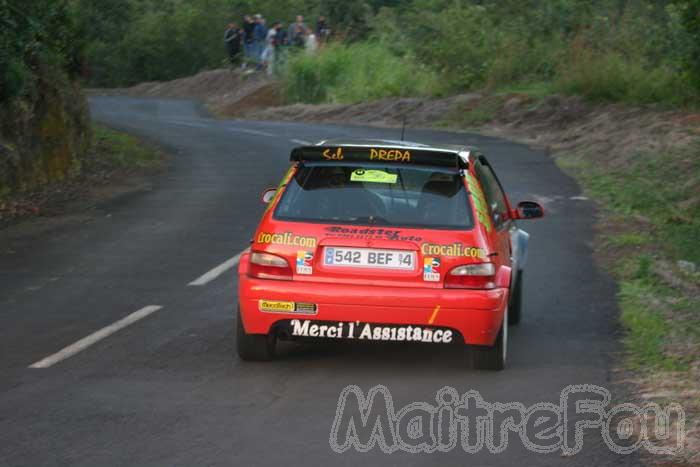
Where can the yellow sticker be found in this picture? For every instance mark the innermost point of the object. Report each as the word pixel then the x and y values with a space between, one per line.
pixel 372 176
pixel 276 306
pixel 389 155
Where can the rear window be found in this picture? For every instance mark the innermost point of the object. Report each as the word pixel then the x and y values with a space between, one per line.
pixel 376 195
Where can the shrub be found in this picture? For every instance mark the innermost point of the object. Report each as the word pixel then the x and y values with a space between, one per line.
pixel 610 76
pixel 31 33
pixel 459 41
pixel 518 62
pixel 356 73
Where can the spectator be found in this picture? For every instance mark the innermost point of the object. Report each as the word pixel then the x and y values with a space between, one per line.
pixel 268 55
pixel 232 40
pixel 323 32
pixel 259 38
pixel 248 40
pixel 311 44
pixel 297 33
pixel 281 36
pixel 280 42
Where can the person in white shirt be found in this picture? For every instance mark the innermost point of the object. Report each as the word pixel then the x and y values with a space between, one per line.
pixel 268 55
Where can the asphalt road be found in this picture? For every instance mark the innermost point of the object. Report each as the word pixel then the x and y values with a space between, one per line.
pixel 168 390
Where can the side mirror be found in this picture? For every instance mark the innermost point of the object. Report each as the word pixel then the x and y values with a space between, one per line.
pixel 528 210
pixel 268 195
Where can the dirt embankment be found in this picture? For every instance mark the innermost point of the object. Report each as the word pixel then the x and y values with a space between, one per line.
pixel 611 131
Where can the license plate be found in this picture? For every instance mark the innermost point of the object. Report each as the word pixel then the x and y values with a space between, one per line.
pixel 370 258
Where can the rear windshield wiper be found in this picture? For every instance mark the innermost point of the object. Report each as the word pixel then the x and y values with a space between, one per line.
pixel 371 220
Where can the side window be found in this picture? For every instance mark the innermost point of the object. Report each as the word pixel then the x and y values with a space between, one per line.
pixel 492 192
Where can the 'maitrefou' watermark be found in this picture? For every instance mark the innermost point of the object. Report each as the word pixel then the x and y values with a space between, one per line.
pixel 364 422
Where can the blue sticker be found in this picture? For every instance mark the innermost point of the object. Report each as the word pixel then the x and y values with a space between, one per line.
pixel 329 255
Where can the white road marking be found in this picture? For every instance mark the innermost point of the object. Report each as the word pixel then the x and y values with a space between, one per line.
pixel 578 198
pixel 300 141
pixel 95 337
pixel 191 124
pixel 217 271
pixel 255 132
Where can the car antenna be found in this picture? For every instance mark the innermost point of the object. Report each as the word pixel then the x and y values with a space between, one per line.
pixel 403 127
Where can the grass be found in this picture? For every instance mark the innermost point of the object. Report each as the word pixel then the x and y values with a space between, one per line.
pixel 646 306
pixel 663 189
pixel 628 239
pixel 116 150
pixel 651 209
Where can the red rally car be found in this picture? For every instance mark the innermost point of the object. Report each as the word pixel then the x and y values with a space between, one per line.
pixel 377 240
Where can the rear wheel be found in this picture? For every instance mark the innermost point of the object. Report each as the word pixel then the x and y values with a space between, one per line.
pixel 516 300
pixel 253 347
pixel 492 357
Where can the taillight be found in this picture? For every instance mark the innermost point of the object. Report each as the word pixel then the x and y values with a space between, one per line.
pixel 267 266
pixel 472 276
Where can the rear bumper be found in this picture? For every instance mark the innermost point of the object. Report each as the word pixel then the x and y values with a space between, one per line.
pixel 476 315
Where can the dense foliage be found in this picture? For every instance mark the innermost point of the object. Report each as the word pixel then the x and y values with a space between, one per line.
pixel 620 50
pixel 632 50
pixel 356 73
pixel 641 51
pixel 130 41
pixel 35 33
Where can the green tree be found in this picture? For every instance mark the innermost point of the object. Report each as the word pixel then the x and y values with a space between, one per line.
pixel 690 19
pixel 34 32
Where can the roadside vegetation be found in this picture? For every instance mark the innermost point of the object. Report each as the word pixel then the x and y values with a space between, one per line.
pixel 114 150
pixel 650 241
pixel 27 45
pixel 635 51
pixel 356 73
pixel 114 163
pixel 650 224
pixel 44 120
pixel 132 41
pixel 50 152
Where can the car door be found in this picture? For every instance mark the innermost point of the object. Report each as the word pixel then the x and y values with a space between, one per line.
pixel 499 209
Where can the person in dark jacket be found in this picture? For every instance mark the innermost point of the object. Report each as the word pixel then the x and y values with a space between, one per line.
pixel 248 27
pixel 322 30
pixel 259 37
pixel 233 40
pixel 280 46
pixel 297 33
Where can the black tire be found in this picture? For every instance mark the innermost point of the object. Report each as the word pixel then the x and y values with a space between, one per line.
pixel 515 304
pixel 492 357
pixel 254 347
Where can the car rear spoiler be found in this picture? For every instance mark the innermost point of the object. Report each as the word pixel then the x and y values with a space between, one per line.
pixel 382 154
